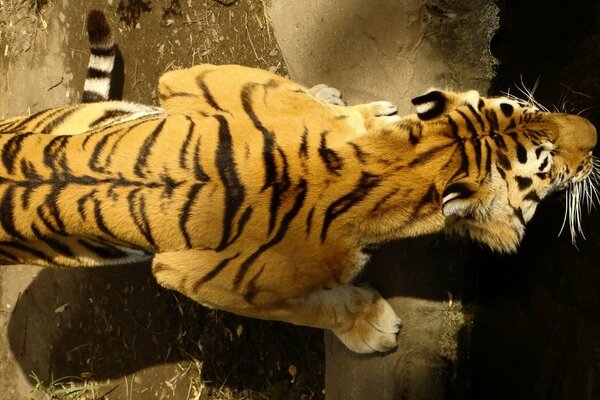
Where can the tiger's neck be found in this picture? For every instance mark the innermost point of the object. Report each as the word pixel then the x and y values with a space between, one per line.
pixel 406 185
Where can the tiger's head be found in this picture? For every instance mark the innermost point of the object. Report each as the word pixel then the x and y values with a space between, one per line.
pixel 510 155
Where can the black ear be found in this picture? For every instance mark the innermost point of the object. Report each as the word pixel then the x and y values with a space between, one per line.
pixel 430 105
pixel 459 199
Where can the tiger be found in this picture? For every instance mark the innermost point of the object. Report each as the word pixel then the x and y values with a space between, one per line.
pixel 249 194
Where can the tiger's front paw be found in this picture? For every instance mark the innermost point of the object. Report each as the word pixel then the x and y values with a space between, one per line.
pixel 327 94
pixel 379 114
pixel 373 330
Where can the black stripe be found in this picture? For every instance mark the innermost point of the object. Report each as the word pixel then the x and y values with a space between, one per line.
pixel 431 197
pixel 105 252
pixel 360 155
pixel 429 154
pixel 102 51
pixel 464 158
pixel 139 217
pixel 198 170
pixel 169 184
pixel 7 214
pixel 523 182
pixel 488 161
pixel 206 92
pixel 492 119
pixel 521 151
pixel 81 204
pixel 462 190
pixel 214 272
pixel 377 207
pixel 91 97
pixel 184 147
pixel 507 109
pixel 499 140
pixel 415 131
pixel 251 289
pixel 33 253
pixel 501 171
pixel 363 187
pixel 280 186
pixel 54 154
pixel 544 164
pixel 144 153
pixel 234 190
pixel 56 245
pixel 477 147
pixel 11 149
pixel 241 224
pixel 533 196
pixel 46 118
pixel 94 158
pixel 538 151
pixel 309 219
pixel 470 126
pixel 46 221
pixel 167 96
pixel 186 210
pixel 57 121
pixel 52 203
pixel 477 116
pixel 302 188
pixel 94 73
pixel 519 215
pixel 99 219
pixel 20 123
pixel 145 221
pixel 303 151
pixel 122 135
pixel 503 161
pixel 10 257
pixel 109 115
pixel 268 136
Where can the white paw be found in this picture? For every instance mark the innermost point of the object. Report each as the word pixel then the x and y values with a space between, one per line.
pixel 383 108
pixel 327 94
pixel 374 329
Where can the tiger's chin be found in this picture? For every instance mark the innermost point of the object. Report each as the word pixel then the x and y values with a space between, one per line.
pixel 498 236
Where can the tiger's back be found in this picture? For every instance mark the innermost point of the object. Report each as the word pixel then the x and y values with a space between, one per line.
pixel 162 182
pixel 251 196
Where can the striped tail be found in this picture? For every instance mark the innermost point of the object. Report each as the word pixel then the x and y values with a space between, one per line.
pixel 102 59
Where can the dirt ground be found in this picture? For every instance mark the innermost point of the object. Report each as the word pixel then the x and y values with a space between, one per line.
pixel 112 333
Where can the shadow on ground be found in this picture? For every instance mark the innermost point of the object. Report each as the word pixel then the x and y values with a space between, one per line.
pixel 105 323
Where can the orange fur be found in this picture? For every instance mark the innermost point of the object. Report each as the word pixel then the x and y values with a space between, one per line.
pixel 251 196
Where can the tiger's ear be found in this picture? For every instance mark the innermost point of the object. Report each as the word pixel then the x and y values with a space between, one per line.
pixel 460 198
pixel 430 105
pixel 436 103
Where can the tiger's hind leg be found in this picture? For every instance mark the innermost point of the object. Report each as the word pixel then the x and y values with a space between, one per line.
pixel 360 317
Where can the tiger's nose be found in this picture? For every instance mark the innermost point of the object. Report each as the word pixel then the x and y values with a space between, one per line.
pixel 577 132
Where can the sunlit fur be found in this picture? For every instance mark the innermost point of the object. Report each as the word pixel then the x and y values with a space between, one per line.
pixel 251 196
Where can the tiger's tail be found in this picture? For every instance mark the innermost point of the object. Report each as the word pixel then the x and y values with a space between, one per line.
pixel 98 81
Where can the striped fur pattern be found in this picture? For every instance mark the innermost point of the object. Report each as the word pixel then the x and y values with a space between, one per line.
pixel 251 196
pixel 102 59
